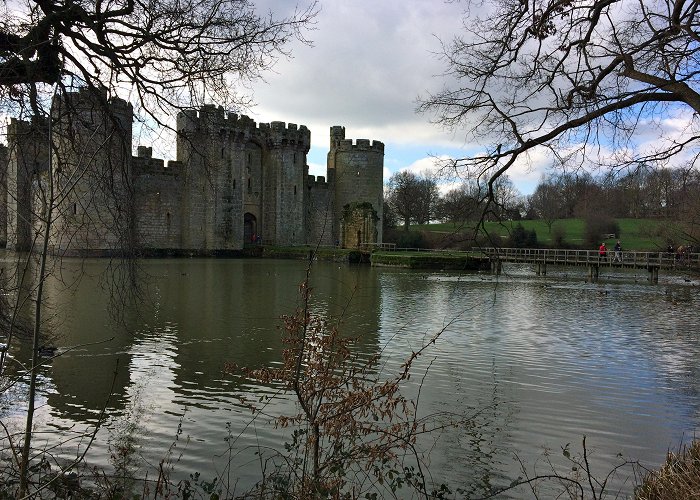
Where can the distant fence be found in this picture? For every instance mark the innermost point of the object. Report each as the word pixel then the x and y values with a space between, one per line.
pixel 562 256
pixel 555 256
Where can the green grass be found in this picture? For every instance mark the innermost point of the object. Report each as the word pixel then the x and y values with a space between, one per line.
pixel 635 234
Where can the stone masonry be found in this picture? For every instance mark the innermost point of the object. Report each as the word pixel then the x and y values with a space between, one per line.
pixel 235 183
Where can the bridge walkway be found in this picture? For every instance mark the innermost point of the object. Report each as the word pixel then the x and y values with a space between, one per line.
pixel 541 257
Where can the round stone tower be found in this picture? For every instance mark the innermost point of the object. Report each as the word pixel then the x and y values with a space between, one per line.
pixel 356 174
pixel 91 161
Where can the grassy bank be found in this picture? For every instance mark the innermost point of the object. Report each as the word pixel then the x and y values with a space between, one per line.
pixel 333 254
pixel 413 260
pixel 430 260
pixel 635 234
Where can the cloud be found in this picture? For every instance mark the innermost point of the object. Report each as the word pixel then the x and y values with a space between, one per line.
pixel 369 62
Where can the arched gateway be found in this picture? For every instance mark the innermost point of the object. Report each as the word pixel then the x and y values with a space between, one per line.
pixel 250 228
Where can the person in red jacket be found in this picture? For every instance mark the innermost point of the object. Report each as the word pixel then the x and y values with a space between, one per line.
pixel 602 251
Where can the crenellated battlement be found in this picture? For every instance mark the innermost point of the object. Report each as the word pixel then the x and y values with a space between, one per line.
pixel 317 182
pixel 212 117
pixel 91 99
pixel 19 128
pixel 348 145
pixel 212 120
pixel 145 164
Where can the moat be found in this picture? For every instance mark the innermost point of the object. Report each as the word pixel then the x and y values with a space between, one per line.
pixel 537 361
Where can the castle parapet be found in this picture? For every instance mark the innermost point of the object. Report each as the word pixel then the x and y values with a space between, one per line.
pixel 144 152
pixel 281 134
pixel 145 164
pixel 240 128
pixel 348 145
pixel 93 99
pixel 19 128
pixel 317 182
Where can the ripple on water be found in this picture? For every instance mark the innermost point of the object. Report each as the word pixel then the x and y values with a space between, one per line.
pixel 531 363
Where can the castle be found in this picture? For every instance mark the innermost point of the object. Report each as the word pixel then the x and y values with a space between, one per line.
pixel 234 183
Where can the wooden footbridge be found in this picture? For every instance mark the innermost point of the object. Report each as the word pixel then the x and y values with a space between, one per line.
pixel 593 260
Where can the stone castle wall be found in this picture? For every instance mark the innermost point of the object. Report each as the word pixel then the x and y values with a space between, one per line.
pixel 158 201
pixel 234 182
pixel 319 212
pixel 4 160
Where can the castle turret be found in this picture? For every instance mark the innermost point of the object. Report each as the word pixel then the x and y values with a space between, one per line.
pixel 356 171
pixel 91 161
pixel 28 156
pixel 286 171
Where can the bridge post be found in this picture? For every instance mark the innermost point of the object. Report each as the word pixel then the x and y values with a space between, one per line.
pixel 654 274
pixel 541 268
pixel 593 272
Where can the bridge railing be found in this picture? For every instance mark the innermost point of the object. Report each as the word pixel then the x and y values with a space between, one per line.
pixel 369 247
pixel 592 257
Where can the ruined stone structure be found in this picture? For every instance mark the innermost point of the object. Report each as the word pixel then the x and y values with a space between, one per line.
pixel 234 183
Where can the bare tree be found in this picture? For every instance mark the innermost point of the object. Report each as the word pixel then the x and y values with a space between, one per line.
pixel 412 197
pixel 458 204
pixel 169 53
pixel 578 78
pixel 546 202
pixel 160 55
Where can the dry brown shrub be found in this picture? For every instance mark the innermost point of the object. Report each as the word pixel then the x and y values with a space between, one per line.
pixel 678 477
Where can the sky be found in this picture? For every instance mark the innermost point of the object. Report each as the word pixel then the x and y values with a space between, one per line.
pixel 366 68
pixel 369 63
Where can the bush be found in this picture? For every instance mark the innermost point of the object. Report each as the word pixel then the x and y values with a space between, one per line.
pixel 678 477
pixel 559 236
pixel 522 238
pixel 405 239
pixel 597 226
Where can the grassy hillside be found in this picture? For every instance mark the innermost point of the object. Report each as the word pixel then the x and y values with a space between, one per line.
pixel 635 234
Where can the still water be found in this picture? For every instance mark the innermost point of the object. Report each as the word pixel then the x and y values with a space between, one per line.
pixel 536 362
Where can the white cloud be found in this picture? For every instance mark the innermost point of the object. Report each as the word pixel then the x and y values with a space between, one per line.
pixel 369 62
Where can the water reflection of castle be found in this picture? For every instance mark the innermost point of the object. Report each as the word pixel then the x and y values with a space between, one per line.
pixel 234 181
pixel 199 315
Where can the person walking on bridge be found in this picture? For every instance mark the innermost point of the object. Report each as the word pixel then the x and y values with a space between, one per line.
pixel 602 251
pixel 618 252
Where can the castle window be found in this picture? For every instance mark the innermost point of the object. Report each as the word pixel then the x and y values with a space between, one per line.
pixel 222 152
pixel 295 157
pixel 167 218
pixel 295 189
pixel 234 183
pixel 75 208
pixel 250 189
